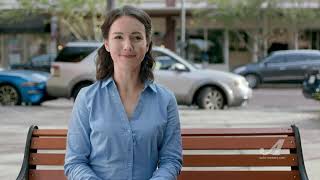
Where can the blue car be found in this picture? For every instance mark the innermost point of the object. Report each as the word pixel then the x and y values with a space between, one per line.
pixel 17 86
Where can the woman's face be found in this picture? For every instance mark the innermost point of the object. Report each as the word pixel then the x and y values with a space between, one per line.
pixel 127 43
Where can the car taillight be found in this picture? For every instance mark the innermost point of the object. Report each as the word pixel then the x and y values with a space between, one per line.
pixel 55 70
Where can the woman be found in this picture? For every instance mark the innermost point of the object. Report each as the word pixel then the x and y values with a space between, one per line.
pixel 124 126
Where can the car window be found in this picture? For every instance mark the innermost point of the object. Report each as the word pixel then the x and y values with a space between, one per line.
pixel 294 58
pixel 312 57
pixel 163 61
pixel 42 60
pixel 277 59
pixel 74 54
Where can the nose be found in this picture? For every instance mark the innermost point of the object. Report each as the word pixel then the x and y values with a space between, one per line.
pixel 127 45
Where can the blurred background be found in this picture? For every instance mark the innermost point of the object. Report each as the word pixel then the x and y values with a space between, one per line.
pixel 265 52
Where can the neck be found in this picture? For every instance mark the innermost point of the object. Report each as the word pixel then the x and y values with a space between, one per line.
pixel 127 82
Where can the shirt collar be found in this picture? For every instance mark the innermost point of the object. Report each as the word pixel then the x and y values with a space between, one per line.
pixel 151 85
pixel 148 83
pixel 106 82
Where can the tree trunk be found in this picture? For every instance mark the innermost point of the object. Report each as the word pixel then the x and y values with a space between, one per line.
pixel 255 49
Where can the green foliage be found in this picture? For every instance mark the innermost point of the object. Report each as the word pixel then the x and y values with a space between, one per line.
pixel 81 17
pixel 258 18
pixel 296 12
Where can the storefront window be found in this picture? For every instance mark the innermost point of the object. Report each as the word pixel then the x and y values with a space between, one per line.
pixel 200 50
pixel 14 49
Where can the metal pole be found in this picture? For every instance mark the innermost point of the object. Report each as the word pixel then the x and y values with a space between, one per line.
pixel 226 49
pixel 110 5
pixel 54 33
pixel 183 29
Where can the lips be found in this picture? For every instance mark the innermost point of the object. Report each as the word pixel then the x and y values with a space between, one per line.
pixel 128 55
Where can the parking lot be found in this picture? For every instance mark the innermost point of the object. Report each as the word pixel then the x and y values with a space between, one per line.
pixel 268 108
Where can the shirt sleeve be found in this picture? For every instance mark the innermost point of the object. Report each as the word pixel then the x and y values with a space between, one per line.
pixel 78 142
pixel 170 155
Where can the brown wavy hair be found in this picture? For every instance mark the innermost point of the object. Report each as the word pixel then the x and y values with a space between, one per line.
pixel 104 63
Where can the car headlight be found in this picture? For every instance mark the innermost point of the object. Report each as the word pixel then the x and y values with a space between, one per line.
pixel 240 82
pixel 240 69
pixel 29 84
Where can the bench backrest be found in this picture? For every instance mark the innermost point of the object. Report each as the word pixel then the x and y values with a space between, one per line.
pixel 226 154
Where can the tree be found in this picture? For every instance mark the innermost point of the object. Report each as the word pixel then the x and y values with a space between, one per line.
pixel 258 19
pixel 82 18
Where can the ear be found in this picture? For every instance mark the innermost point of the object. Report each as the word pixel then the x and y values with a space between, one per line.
pixel 106 45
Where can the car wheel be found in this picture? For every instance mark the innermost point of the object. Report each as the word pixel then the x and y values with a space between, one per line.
pixel 77 89
pixel 9 95
pixel 210 98
pixel 253 80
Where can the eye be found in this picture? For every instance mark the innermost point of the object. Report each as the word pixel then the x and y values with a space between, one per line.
pixel 138 38
pixel 118 37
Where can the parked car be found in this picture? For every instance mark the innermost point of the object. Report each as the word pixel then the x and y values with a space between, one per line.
pixel 286 66
pixel 75 51
pixel 39 63
pixel 17 86
pixel 311 85
pixel 208 89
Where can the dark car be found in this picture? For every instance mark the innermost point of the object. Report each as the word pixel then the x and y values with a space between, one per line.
pixel 286 66
pixel 311 85
pixel 40 63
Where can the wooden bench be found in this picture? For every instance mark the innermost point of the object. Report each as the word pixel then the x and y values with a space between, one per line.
pixel 218 154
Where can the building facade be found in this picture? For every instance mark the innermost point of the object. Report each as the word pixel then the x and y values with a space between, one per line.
pixel 207 41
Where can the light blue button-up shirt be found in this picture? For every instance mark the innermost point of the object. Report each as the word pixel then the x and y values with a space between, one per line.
pixel 104 144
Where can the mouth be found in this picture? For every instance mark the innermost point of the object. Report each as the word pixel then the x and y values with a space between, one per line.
pixel 128 55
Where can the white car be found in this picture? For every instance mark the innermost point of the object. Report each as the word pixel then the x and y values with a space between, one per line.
pixel 209 89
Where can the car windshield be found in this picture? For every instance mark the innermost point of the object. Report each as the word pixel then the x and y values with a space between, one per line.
pixel 74 54
pixel 167 58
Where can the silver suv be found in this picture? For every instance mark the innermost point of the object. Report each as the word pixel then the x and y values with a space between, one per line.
pixel 208 89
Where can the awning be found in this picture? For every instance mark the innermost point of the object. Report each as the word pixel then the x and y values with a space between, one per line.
pixel 24 23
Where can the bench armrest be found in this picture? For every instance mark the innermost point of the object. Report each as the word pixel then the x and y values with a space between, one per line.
pixel 24 171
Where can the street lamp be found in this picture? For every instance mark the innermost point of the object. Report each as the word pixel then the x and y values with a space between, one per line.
pixel 183 29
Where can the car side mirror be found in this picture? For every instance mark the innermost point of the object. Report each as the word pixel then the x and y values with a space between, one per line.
pixel 178 67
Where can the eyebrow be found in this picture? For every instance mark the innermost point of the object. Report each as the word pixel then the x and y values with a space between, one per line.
pixel 139 33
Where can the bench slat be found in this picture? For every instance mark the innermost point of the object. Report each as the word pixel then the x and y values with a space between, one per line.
pixel 46 175
pixel 50 132
pixel 234 143
pixel 48 143
pixel 191 132
pixel 190 143
pixel 237 131
pixel 46 159
pixel 239 175
pixel 239 160
pixel 194 160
